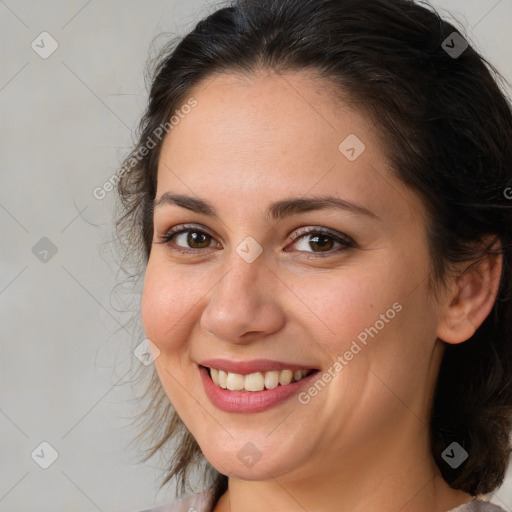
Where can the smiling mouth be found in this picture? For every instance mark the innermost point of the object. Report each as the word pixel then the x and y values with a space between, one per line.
pixel 258 381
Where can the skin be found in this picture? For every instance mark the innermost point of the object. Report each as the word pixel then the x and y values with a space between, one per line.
pixel 361 444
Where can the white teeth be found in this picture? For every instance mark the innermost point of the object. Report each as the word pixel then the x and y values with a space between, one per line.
pixel 285 377
pixel 255 381
pixel 271 380
pixel 215 375
pixel 223 377
pixel 235 382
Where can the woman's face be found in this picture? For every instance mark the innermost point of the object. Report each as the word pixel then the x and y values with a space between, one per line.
pixel 276 276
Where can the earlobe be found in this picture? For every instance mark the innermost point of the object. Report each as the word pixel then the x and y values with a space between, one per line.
pixel 470 300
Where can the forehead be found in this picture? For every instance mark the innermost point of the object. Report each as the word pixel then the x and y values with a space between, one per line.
pixel 273 135
pixel 288 113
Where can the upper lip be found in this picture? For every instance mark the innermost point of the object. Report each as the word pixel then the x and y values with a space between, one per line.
pixel 253 366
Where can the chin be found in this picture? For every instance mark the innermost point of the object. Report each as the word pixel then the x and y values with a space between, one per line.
pixel 245 461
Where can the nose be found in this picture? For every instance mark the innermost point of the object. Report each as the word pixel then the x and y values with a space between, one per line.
pixel 244 305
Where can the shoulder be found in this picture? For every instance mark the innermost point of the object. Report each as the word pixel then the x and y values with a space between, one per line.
pixel 478 506
pixel 192 503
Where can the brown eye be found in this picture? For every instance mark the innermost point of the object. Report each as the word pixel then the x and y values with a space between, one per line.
pixel 322 242
pixel 187 240
pixel 319 242
pixel 198 240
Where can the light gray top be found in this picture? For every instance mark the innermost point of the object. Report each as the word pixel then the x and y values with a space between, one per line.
pixel 193 503
pixel 198 502
pixel 478 506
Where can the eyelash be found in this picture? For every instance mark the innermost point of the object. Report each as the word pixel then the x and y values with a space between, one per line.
pixel 345 241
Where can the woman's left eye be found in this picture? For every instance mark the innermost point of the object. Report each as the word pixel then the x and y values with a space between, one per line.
pixel 319 241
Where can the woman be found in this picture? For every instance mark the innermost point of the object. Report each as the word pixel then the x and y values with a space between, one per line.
pixel 321 191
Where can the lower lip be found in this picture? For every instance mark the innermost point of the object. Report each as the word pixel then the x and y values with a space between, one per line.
pixel 249 401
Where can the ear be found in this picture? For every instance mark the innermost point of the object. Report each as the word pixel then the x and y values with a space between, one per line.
pixel 470 299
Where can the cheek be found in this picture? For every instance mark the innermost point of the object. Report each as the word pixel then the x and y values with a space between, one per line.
pixel 167 321
pixel 164 307
pixel 338 308
pixel 373 316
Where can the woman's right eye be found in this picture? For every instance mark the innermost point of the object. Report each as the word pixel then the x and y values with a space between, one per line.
pixel 187 239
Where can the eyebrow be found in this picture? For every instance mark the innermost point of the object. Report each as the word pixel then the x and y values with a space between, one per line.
pixel 277 210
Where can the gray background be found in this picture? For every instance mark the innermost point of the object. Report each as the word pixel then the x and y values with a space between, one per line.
pixel 66 340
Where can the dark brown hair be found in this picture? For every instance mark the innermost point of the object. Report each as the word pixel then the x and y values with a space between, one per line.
pixel 446 127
